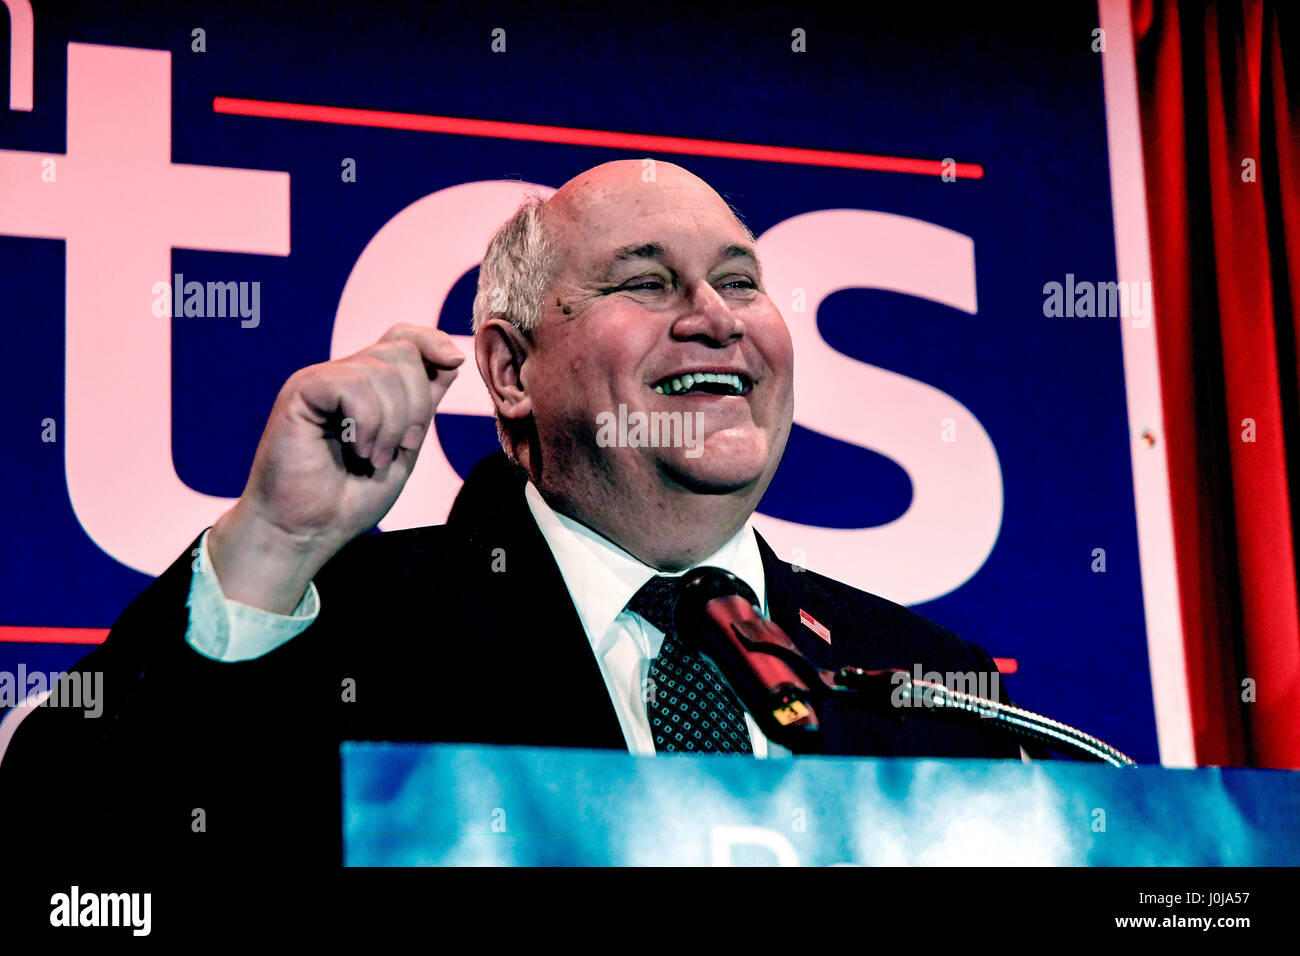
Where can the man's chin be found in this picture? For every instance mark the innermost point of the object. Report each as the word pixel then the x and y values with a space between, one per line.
pixel 719 467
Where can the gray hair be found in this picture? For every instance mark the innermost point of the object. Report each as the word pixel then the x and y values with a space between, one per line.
pixel 516 272
pixel 517 269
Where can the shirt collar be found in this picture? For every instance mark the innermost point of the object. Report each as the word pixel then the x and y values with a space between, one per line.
pixel 602 577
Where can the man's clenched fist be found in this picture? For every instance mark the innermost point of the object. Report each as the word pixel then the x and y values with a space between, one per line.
pixel 339 445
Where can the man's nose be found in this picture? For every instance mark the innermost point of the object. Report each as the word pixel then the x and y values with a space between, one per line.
pixel 709 317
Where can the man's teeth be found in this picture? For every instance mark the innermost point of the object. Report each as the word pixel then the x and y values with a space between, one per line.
pixel 685 383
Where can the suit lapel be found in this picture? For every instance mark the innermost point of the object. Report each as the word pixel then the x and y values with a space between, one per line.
pixel 545 648
pixel 790 591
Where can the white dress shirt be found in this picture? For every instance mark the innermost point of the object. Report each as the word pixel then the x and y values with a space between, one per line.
pixel 601 578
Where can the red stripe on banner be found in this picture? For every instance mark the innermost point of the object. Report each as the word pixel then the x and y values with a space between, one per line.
pixel 1006 665
pixel 54 635
pixel 573 136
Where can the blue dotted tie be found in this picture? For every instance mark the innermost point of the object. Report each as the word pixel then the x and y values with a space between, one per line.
pixel 690 707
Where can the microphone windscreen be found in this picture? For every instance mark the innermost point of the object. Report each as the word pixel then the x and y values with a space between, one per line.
pixel 702 585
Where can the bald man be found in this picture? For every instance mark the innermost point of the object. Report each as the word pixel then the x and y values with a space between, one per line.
pixel 531 616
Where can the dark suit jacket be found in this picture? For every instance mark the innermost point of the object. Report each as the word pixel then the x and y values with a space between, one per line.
pixel 439 643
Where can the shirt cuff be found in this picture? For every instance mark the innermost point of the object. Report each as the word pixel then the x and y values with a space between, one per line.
pixel 228 631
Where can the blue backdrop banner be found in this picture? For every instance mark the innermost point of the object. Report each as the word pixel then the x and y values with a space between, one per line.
pixel 932 200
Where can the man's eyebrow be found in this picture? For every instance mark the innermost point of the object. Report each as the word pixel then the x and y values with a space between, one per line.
pixel 656 252
pixel 736 251
pixel 640 250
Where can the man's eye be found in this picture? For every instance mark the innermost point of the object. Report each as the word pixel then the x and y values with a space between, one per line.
pixel 651 285
pixel 741 283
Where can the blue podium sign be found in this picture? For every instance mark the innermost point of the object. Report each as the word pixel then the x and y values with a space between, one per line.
pixel 434 804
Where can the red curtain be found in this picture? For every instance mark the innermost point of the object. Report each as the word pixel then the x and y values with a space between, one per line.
pixel 1219 86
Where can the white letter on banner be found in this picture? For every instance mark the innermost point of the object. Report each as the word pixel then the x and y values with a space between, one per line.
pixel 723 838
pixel 404 275
pixel 955 515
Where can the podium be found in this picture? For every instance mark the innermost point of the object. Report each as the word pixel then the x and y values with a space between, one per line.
pixel 439 804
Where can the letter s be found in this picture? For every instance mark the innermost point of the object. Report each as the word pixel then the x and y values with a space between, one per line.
pixel 955 515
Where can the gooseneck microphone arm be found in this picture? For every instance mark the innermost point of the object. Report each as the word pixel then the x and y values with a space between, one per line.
pixel 781 689
pixel 883 691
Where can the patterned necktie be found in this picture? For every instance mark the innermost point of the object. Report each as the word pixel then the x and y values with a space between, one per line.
pixel 690 707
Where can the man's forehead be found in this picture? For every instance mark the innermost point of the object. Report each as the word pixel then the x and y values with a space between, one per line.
pixel 617 203
pixel 628 226
pixel 615 213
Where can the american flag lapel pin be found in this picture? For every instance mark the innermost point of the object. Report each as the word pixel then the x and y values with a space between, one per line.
pixel 814 625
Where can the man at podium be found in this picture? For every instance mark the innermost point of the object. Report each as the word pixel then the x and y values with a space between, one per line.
pixel 539 614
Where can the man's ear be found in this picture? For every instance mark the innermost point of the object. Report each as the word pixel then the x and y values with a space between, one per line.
pixel 500 350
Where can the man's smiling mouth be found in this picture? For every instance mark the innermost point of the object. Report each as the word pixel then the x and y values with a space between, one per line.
pixel 705 383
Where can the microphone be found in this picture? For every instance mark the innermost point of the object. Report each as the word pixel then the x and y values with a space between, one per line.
pixel 717 613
